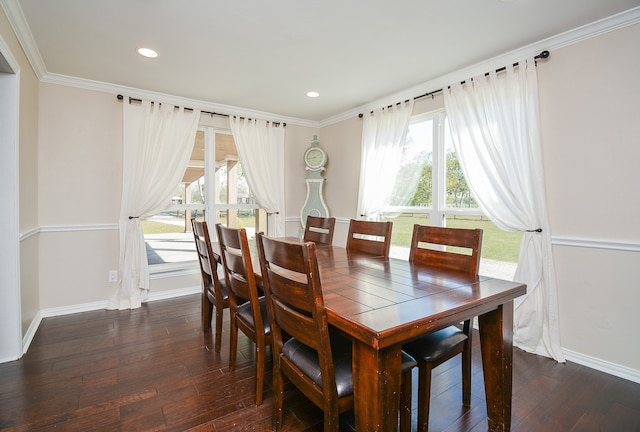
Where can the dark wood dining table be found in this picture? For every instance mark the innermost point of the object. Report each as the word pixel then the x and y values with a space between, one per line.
pixel 383 303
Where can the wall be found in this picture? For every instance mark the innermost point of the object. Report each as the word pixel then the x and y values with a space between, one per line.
pixel 80 184
pixel 80 152
pixel 80 174
pixel 27 177
pixel 589 96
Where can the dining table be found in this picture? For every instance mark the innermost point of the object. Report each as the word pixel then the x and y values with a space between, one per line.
pixel 382 303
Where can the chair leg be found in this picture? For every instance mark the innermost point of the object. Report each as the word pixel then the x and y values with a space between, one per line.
pixel 331 421
pixel 424 395
pixel 206 311
pixel 259 372
pixel 466 375
pixel 405 402
pixel 278 395
pixel 219 312
pixel 233 343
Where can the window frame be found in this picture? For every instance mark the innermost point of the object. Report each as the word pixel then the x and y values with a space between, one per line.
pixel 438 211
pixel 210 206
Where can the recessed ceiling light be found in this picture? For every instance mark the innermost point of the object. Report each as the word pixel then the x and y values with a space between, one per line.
pixel 147 52
pixel 313 94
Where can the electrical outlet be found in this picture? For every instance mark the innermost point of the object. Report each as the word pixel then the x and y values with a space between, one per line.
pixel 113 275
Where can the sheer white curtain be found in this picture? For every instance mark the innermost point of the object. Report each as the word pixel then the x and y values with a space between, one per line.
pixel 383 136
pixel 261 150
pixel 494 123
pixel 158 141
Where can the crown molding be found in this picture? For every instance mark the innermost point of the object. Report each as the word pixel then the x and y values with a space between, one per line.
pixel 171 99
pixel 571 37
pixel 16 18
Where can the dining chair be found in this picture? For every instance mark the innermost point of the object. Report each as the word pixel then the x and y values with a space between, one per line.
pixel 319 229
pixel 370 236
pixel 214 290
pixel 315 357
pixel 247 306
pixel 436 348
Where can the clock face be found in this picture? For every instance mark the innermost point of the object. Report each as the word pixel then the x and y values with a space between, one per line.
pixel 315 157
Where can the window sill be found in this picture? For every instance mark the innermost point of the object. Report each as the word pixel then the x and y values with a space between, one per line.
pixel 169 270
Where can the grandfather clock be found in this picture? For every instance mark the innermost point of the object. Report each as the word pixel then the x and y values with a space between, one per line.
pixel 315 159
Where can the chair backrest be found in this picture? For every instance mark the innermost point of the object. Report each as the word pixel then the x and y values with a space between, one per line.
pixel 462 252
pixel 238 269
pixel 370 237
pixel 319 229
pixel 295 303
pixel 207 258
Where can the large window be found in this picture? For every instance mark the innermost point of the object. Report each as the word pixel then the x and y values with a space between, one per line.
pixel 440 196
pixel 213 188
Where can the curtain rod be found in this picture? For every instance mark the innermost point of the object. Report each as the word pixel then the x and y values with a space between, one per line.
pixel 542 56
pixel 120 98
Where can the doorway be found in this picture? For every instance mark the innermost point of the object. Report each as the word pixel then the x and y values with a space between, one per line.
pixel 10 306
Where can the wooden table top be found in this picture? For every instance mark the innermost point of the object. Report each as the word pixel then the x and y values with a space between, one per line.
pixel 387 301
pixel 370 297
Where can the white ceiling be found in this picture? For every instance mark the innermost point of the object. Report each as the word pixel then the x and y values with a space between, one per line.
pixel 265 55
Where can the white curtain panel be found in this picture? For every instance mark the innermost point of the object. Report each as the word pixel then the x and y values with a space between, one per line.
pixel 158 141
pixel 261 151
pixel 494 123
pixel 383 136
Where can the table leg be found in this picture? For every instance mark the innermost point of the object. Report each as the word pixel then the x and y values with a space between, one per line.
pixel 496 340
pixel 376 380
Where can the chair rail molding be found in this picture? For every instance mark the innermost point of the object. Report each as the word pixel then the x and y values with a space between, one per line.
pixel 596 244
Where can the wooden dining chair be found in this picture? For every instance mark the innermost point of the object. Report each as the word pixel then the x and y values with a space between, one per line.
pixel 247 306
pixel 313 356
pixel 435 348
pixel 370 236
pixel 319 229
pixel 214 290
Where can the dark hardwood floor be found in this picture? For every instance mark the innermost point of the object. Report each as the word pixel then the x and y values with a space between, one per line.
pixel 154 369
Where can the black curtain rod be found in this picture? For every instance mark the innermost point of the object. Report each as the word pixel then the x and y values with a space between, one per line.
pixel 543 55
pixel 120 98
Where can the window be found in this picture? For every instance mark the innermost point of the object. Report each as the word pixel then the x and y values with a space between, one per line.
pixel 213 188
pixel 440 196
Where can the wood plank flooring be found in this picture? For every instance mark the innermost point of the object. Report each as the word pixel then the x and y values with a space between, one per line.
pixel 154 369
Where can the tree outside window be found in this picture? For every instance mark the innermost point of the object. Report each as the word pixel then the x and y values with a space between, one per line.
pixel 440 196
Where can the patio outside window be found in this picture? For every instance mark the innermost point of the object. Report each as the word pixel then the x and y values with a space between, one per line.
pixel 213 188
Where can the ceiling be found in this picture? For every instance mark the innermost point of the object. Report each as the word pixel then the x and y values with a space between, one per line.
pixel 264 56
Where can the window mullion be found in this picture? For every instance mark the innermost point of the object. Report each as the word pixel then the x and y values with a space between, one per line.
pixel 439 172
pixel 209 174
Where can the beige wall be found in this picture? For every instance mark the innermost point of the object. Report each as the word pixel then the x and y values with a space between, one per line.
pixel 27 177
pixel 80 187
pixel 80 178
pixel 590 115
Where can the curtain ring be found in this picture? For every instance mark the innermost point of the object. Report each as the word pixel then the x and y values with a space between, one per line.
pixel 134 217
pixel 538 230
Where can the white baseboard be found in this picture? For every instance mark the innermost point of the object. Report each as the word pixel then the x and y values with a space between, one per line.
pixel 87 307
pixel 31 332
pixel 603 365
pixel 588 361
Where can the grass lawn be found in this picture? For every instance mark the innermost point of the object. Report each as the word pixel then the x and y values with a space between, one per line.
pixel 156 227
pixel 496 244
